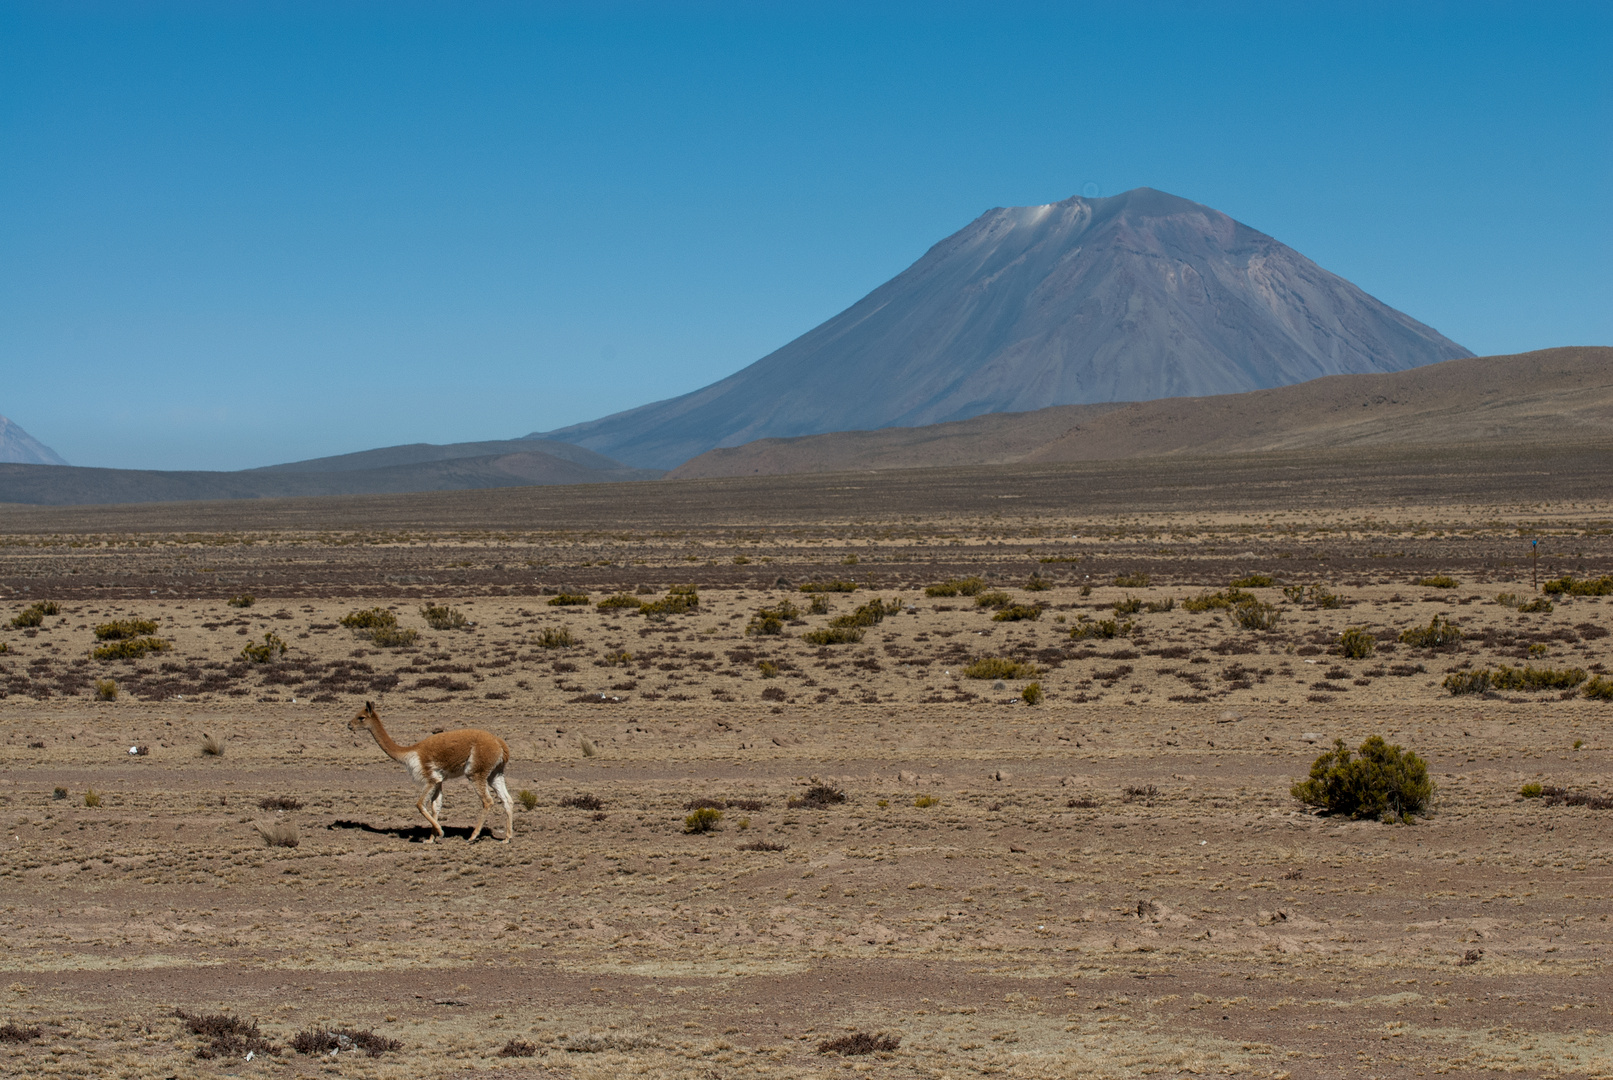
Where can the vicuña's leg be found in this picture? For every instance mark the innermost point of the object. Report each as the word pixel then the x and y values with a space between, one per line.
pixel 429 801
pixel 509 806
pixel 487 804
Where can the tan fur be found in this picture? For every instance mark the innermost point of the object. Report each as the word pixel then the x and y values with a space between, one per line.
pixel 478 756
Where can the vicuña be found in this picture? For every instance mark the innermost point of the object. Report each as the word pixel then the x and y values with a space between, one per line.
pixel 476 755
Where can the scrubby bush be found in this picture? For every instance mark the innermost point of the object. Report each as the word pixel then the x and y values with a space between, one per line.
pixel 269 649
pixel 1539 605
pixel 394 637
pixel 92 798
pixel 123 629
pixel 442 617
pixel 1000 667
pixel 969 586
pixel 369 619
pixel 1101 628
pixel 620 600
pixel 816 797
pixel 106 689
pixel 1357 643
pixel 1212 601
pixel 869 614
pixel 1154 607
pixel 1136 580
pixel 243 601
pixel 569 600
pixel 924 802
pixel 996 598
pixel 1032 694
pixel 1531 791
pixel 132 649
pixel 702 820
pixel 212 745
pixel 1439 632
pixel 829 586
pixel 860 1042
pixel 1254 581
pixel 1511 678
pixel 279 834
pixel 1257 615
pixel 527 798
pixel 833 635
pixel 1129 606
pixel 1599 689
pixel 1037 583
pixel 320 1041
pixel 227 1036
pixel 555 637
pixel 1567 585
pixel 1384 781
pixel 1312 594
pixel 767 668
pixel 1018 613
pixel 679 600
pixel 34 614
pixel 1437 581
pixel 769 621
pixel 1467 682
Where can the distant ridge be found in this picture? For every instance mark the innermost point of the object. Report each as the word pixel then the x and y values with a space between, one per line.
pixel 16 445
pixel 1553 396
pixel 1131 298
pixel 386 471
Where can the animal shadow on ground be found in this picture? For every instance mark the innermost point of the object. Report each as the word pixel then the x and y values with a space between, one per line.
pixel 415 834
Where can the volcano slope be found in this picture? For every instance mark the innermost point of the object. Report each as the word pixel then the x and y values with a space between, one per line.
pixel 1113 882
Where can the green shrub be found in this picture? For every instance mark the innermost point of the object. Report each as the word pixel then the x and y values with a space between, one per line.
pixel 833 635
pixel 1531 791
pixel 996 598
pixel 969 586
pixel 1129 606
pixel 1357 643
pixel 1567 585
pixel 1157 606
pixel 702 820
pixel 122 629
pixel 441 617
pixel 106 690
pixel 1539 605
pixel 679 600
pixel 1226 598
pixel 1257 615
pixel 92 798
pixel 1437 581
pixel 271 648
pixel 1384 781
pixel 620 600
pixel 1439 632
pixel 244 600
pixel 131 649
pixel 619 658
pixel 552 637
pixel 1531 678
pixel 819 605
pixel 1507 599
pixel 1036 584
pixel 816 797
pixel 768 669
pixel 393 637
pixel 1032 694
pixel 1312 594
pixel 34 614
pixel 869 614
pixel 1254 581
pixel 924 802
pixel 1137 580
pixel 1101 628
pixel 1467 682
pixel 527 798
pixel 368 619
pixel 1599 689
pixel 829 586
pixel 1018 613
pixel 569 600
pixel 1000 667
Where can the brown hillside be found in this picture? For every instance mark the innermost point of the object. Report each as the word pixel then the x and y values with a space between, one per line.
pixel 1539 397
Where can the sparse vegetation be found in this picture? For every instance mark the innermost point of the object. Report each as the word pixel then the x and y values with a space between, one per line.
pixel 227 1036
pixel 1154 607
pixel 92 798
pixel 1254 581
pixel 679 600
pixel 318 1041
pixel 555 637
pixel 817 797
pixel 969 586
pixel 1437 581
pixel 125 629
pixel 1032 694
pixel 924 802
pixel 1101 628
pixel 620 600
pixel 269 649
pixel 1213 601
pixel 1143 793
pixel 1257 615
pixel 106 690
pixel 1439 633
pixel 394 637
pixel 368 619
pixel 569 600
pixel 527 798
pixel 1511 678
pixel 769 621
pixel 995 598
pixel 12 1032
pixel 1037 583
pixel 1128 606
pixel 583 801
pixel 518 1048
pixel 279 802
pixel 34 614
pixel 1599 689
pixel 1000 667
pixel 132 649
pixel 829 586
pixel 442 617
pixel 1531 790
pixel 1357 643
pixel 1568 585
pixel 833 635
pixel 1385 781
pixel 1539 605
pixel 1136 580
pixel 703 820
pixel 860 1042
pixel 212 745
pixel 869 614
pixel 279 834
pixel 1313 594
pixel 245 600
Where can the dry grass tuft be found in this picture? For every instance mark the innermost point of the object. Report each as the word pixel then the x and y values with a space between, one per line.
pixel 325 1040
pixel 860 1042
pixel 12 1033
pixel 212 745
pixel 279 802
pixel 518 1048
pixel 279 834
pixel 585 801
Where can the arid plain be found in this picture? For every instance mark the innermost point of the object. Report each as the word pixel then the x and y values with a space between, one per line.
pixel 1114 881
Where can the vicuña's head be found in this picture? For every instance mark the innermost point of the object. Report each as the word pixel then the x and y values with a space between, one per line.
pixel 365 716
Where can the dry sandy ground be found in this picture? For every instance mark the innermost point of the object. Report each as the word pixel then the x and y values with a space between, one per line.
pixel 1031 921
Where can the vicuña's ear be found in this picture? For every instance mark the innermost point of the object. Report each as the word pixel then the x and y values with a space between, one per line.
pixel 369 706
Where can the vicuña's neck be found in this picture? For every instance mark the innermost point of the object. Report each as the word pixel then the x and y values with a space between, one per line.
pixel 385 741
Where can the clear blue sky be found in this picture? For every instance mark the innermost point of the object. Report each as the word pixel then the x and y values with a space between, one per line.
pixel 238 233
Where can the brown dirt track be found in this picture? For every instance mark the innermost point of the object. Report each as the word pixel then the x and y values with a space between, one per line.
pixel 1211 928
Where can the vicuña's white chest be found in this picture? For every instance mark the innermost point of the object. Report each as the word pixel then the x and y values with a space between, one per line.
pixel 420 771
